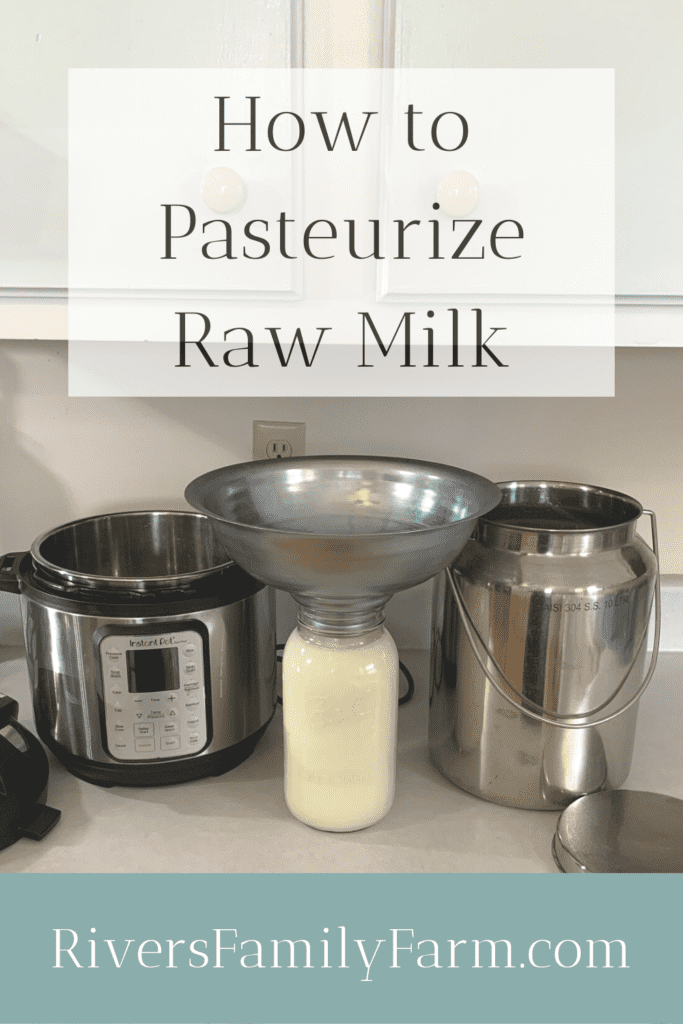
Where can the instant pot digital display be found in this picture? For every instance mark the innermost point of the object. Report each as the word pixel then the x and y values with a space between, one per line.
pixel 151 671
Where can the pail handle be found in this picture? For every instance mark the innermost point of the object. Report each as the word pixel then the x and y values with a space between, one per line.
pixel 553 717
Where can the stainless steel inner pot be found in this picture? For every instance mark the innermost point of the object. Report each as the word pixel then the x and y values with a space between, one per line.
pixel 136 551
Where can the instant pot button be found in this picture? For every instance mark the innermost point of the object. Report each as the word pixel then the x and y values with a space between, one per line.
pixel 193 720
pixel 143 746
pixel 144 729
pixel 172 713
pixel 170 742
pixel 191 686
pixel 119 728
pixel 118 707
pixel 190 668
pixel 168 728
pixel 114 673
pixel 113 653
pixel 172 698
pixel 117 691
pixel 193 738
pixel 120 746
pixel 188 650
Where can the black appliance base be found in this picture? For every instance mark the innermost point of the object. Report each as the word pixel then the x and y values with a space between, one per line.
pixel 164 773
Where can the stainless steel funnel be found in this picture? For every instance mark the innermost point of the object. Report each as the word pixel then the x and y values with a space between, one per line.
pixel 343 533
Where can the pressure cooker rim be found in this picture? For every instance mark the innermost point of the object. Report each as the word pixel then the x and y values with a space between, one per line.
pixel 496 516
pixel 138 583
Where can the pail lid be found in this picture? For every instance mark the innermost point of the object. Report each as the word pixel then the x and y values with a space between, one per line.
pixel 622 831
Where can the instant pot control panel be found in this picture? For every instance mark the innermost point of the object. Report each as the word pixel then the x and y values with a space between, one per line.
pixel 155 694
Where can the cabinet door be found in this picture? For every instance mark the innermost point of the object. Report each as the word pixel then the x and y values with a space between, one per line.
pixel 643 41
pixel 41 39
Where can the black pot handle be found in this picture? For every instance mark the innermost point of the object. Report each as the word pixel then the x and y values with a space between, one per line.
pixel 38 821
pixel 9 572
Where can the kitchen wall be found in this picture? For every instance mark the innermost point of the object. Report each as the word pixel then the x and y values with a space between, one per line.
pixel 62 458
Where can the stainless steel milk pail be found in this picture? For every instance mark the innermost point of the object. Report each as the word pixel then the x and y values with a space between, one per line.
pixel 538 646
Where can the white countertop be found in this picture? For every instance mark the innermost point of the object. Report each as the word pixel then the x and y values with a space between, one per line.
pixel 239 822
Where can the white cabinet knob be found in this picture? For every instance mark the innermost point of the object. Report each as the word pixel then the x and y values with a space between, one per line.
pixel 458 193
pixel 222 189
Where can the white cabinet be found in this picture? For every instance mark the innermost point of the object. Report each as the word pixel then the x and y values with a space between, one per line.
pixel 41 39
pixel 643 41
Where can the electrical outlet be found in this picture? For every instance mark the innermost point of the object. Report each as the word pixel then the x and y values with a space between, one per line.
pixel 274 439
pixel 279 450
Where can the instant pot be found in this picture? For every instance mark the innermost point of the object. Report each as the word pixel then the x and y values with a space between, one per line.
pixel 151 655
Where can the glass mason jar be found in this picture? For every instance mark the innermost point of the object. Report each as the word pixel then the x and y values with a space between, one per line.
pixel 340 706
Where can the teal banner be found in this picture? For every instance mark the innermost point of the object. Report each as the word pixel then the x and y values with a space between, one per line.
pixel 165 949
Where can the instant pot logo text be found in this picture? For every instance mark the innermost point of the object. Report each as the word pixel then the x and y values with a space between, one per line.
pixel 401 948
pixel 155 641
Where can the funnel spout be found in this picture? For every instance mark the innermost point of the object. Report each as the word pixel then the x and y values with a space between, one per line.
pixel 339 618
